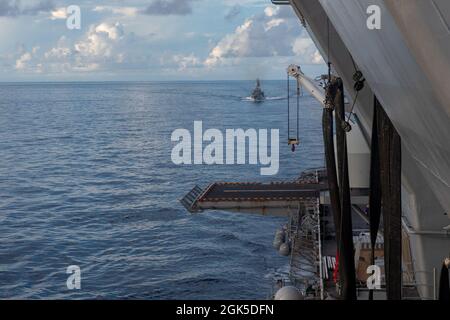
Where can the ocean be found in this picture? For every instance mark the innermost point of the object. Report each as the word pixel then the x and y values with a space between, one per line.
pixel 86 179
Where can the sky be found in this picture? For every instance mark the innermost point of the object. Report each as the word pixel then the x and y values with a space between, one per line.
pixel 152 40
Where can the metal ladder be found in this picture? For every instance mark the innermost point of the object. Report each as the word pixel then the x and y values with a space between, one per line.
pixel 190 199
pixel 305 261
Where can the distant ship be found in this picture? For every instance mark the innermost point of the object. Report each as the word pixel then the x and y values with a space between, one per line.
pixel 258 94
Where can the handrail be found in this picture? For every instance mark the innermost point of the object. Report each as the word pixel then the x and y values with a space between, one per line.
pixel 320 251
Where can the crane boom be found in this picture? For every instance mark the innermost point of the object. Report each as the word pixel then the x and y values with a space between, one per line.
pixel 309 84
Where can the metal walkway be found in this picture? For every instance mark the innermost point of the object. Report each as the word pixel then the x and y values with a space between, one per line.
pixel 258 191
pixel 251 197
pixel 254 197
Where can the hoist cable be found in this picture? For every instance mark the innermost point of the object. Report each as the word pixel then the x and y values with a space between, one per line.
pixel 353 106
pixel 298 112
pixel 353 61
pixel 328 39
pixel 289 107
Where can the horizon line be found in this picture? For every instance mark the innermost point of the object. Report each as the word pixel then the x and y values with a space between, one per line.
pixel 91 81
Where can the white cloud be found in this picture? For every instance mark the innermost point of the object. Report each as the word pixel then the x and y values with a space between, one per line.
pixel 180 62
pixel 21 63
pixel 304 47
pixel 276 32
pixel 123 11
pixel 101 46
pixel 58 53
pixel 61 50
pixel 235 44
pixel 271 11
pixel 86 67
pixel 24 61
pixel 58 13
pixel 100 40
pixel 114 31
pixel 317 58
pixel 185 62
pixel 15 8
pixel 273 24
pixel 156 47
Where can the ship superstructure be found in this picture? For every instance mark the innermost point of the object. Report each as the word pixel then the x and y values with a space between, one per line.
pixel 258 93
pixel 402 63
pixel 385 200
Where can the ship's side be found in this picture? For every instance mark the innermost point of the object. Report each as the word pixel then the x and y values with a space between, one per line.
pixel 406 66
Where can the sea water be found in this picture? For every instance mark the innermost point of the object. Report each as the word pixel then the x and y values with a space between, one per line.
pixel 86 179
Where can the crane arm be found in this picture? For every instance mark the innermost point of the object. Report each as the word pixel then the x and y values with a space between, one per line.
pixel 309 84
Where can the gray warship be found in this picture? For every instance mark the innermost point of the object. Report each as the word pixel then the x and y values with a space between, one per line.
pixel 257 94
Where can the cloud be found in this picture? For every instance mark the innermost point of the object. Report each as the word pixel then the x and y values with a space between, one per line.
pixel 179 61
pixel 169 7
pixel 232 45
pixel 14 8
pixel 123 11
pixel 104 49
pixel 271 11
pixel 59 52
pixel 113 31
pixel 102 46
pixel 24 61
pixel 121 42
pixel 276 32
pixel 233 12
pixel 185 62
pixel 305 47
pixel 58 13
pixel 100 42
